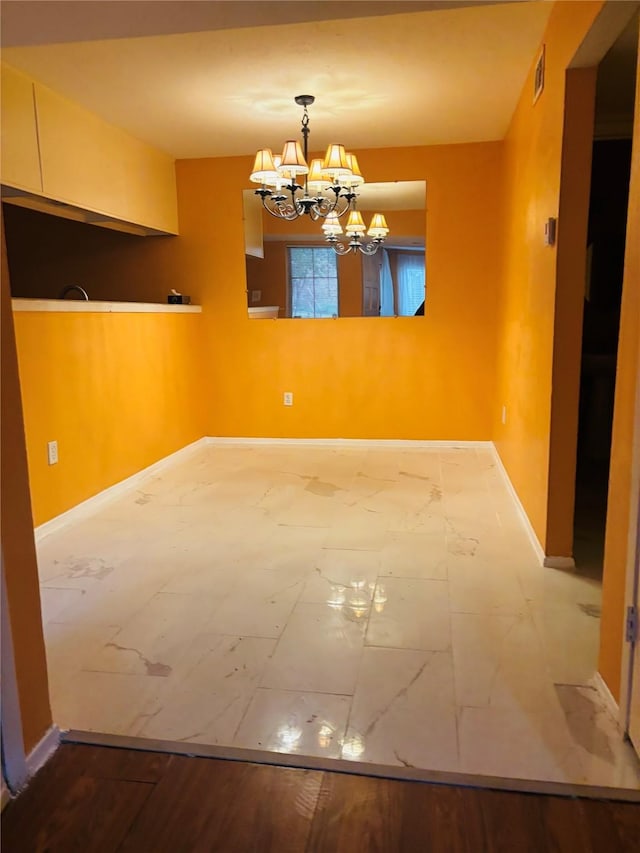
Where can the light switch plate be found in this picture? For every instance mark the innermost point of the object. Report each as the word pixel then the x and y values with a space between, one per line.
pixel 550 231
pixel 52 452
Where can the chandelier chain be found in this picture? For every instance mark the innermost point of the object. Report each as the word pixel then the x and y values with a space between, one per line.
pixel 305 134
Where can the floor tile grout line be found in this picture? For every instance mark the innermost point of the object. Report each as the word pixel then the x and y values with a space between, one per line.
pixel 296 691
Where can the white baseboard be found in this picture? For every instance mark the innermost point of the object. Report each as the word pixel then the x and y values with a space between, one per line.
pixel 549 562
pixel 559 563
pixel 43 750
pixel 82 510
pixel 600 685
pixel 36 759
pixel 533 538
pixel 353 442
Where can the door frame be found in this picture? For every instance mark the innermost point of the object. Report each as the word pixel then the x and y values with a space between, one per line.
pixel 605 30
pixel 632 580
pixel 632 568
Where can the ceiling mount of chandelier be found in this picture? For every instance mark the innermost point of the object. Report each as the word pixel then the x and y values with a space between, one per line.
pixel 290 187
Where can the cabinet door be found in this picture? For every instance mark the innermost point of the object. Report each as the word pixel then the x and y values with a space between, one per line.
pixel 150 186
pixel 99 167
pixel 19 139
pixel 81 160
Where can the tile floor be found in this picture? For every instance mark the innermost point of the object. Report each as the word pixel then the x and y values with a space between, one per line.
pixel 370 604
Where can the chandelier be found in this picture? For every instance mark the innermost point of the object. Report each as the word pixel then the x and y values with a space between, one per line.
pixel 355 229
pixel 324 189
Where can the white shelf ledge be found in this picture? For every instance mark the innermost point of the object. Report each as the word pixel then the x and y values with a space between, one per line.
pixel 91 307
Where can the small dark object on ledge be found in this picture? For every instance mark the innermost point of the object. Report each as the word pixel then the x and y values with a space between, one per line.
pixel 178 299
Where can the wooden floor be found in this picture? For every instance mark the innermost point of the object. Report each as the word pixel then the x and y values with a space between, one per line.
pixel 100 799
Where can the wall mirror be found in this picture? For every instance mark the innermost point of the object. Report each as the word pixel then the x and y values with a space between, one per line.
pixel 292 272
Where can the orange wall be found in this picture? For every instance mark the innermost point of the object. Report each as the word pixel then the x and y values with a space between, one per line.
pixel 18 547
pixel 617 554
pixel 429 378
pixel 533 155
pixel 350 285
pixel 117 391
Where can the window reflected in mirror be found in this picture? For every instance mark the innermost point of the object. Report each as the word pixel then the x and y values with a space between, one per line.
pixel 293 273
pixel 312 281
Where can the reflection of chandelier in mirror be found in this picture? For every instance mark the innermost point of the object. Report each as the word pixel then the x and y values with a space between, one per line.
pixel 328 191
pixel 355 229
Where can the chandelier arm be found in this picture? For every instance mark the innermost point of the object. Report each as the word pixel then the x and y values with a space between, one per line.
pixel 340 248
pixel 295 203
pixel 354 245
pixel 369 248
pixel 347 206
pixel 281 209
pixel 324 207
pixel 279 206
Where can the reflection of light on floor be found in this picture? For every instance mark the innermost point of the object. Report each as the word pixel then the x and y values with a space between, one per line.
pixel 359 598
pixel 379 598
pixel 353 747
pixel 325 735
pixel 356 599
pixel 288 737
pixel 336 596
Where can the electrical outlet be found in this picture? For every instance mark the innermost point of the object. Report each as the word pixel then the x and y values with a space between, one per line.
pixel 504 414
pixel 52 452
pixel 256 295
pixel 288 398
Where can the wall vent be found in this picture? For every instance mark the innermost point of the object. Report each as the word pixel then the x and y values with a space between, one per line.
pixel 538 77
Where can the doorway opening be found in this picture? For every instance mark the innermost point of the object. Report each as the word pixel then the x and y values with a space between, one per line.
pixel 611 165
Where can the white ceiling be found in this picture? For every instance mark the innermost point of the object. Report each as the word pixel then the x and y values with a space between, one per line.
pixel 440 76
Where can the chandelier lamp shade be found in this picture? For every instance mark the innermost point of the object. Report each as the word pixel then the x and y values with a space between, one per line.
pixel 324 189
